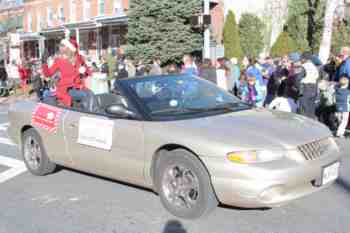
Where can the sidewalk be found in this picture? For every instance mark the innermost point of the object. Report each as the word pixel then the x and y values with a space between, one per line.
pixel 14 98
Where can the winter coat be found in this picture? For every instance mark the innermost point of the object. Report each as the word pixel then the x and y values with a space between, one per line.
pixel 253 71
pixel 68 78
pixel 258 102
pixel 312 74
pixel 343 70
pixel 273 85
pixel 293 82
pixel 342 99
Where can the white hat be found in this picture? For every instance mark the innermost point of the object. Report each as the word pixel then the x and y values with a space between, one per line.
pixel 69 45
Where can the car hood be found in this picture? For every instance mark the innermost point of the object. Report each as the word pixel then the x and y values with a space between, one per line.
pixel 247 130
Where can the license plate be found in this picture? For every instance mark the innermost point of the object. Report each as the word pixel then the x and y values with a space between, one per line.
pixel 330 173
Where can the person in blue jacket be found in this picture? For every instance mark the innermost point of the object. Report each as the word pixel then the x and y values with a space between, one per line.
pixel 252 69
pixel 344 68
pixel 252 92
pixel 342 101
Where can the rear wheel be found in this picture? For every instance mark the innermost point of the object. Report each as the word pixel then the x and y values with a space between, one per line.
pixel 184 185
pixel 34 154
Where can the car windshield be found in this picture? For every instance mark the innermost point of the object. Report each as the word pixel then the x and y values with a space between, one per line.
pixel 182 95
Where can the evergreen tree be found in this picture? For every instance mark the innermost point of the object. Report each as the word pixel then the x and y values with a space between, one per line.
pixel 341 36
pixel 283 45
pixel 305 23
pixel 231 37
pixel 251 30
pixel 160 28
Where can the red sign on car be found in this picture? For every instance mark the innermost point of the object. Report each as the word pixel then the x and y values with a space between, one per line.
pixel 46 117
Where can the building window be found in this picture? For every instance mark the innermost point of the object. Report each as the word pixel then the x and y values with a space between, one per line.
pixel 118 8
pixel 87 9
pixel 101 7
pixel 73 10
pixel 61 18
pixel 30 22
pixel 49 17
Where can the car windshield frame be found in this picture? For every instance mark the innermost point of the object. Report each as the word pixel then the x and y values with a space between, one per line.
pixel 189 113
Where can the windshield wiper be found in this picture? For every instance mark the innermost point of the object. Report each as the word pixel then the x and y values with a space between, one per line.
pixel 171 111
pixel 227 107
pixel 189 110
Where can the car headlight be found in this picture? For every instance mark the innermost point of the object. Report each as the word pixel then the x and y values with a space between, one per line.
pixel 249 157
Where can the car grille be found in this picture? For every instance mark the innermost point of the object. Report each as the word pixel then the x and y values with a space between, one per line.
pixel 314 150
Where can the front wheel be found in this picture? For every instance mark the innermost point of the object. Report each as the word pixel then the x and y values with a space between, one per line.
pixel 184 185
pixel 34 154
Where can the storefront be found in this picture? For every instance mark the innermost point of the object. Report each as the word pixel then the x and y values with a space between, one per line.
pixel 95 36
pixel 30 45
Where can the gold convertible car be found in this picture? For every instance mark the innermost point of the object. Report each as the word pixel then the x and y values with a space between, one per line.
pixel 183 137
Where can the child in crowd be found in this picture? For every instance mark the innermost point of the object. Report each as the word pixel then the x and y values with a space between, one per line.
pixel 252 92
pixel 342 100
pixel 283 103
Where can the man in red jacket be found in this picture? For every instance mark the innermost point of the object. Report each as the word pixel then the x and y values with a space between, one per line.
pixel 68 66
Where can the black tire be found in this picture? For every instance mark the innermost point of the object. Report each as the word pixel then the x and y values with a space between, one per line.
pixel 205 198
pixel 43 165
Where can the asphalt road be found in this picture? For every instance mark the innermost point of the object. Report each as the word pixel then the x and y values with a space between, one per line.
pixel 72 202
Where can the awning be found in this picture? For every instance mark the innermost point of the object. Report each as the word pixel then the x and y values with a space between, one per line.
pixel 89 24
pixel 112 20
pixel 30 36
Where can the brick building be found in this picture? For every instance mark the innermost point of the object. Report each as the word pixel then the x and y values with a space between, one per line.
pixel 97 25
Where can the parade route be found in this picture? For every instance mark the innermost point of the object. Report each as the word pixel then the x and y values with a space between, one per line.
pixel 16 168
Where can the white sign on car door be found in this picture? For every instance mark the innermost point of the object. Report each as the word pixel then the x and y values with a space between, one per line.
pixel 96 132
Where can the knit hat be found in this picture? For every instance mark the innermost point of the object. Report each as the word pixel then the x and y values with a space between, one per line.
pixel 294 57
pixel 251 73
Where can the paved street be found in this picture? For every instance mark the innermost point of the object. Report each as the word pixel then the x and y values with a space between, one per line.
pixel 72 202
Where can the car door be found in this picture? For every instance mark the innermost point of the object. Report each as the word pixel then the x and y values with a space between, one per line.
pixel 49 121
pixel 108 147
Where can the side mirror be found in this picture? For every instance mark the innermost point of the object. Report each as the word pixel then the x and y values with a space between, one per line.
pixel 119 110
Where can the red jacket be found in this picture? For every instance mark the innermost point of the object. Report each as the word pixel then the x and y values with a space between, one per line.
pixel 68 72
pixel 24 73
pixel 68 78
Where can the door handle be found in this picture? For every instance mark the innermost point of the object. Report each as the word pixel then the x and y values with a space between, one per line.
pixel 72 125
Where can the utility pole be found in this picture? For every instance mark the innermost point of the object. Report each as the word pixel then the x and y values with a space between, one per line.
pixel 206 50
